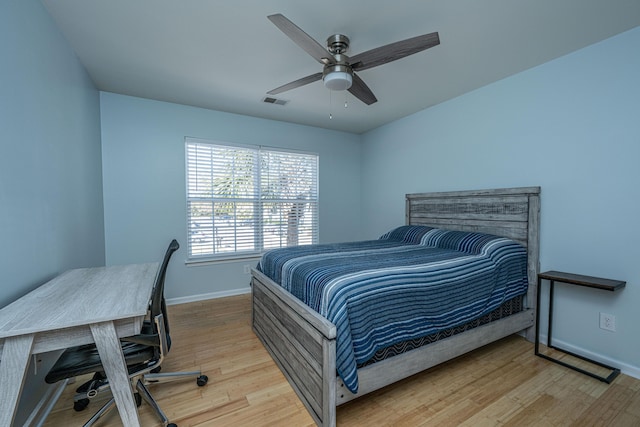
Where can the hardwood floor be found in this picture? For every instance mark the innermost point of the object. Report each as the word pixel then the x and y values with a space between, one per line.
pixel 502 384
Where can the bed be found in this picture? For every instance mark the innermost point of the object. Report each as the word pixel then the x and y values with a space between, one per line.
pixel 304 343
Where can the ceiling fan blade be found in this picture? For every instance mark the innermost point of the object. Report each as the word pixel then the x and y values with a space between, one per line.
pixel 296 83
pixel 361 91
pixel 391 52
pixel 302 39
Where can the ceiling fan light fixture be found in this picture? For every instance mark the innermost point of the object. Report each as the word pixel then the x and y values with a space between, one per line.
pixel 338 76
pixel 338 80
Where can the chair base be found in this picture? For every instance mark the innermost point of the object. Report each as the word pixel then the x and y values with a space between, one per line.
pixel 142 393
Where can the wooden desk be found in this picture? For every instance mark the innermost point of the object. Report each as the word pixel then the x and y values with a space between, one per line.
pixel 78 307
pixel 578 280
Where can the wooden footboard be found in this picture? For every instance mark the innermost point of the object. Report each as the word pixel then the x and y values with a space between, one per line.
pixel 301 342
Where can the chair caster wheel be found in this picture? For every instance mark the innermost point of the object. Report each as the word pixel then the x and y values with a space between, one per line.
pixel 80 405
pixel 172 425
pixel 202 380
pixel 138 398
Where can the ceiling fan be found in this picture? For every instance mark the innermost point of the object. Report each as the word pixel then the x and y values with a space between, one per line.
pixel 339 69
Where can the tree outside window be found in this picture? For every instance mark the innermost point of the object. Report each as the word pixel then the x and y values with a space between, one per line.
pixel 242 200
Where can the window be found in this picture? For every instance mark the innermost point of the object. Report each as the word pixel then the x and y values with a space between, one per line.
pixel 242 200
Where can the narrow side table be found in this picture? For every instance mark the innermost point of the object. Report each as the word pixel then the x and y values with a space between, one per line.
pixel 579 280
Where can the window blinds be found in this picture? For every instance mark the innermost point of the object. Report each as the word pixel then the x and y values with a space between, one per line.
pixel 243 200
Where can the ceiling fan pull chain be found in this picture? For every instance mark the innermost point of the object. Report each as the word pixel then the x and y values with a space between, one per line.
pixel 330 105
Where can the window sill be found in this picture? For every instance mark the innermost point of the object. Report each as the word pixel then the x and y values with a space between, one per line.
pixel 225 260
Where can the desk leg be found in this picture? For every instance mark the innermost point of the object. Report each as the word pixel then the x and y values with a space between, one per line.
pixel 115 368
pixel 13 367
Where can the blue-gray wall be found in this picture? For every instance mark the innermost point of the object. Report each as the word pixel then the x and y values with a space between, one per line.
pixel 144 184
pixel 51 213
pixel 571 126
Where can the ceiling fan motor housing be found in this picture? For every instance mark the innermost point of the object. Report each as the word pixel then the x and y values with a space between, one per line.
pixel 338 44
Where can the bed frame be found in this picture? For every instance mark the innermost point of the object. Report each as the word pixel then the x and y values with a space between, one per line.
pixel 303 343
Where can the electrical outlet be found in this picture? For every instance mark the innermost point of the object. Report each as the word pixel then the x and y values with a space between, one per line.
pixel 247 269
pixel 608 322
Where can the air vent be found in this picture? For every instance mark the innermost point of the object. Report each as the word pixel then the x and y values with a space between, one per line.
pixel 270 100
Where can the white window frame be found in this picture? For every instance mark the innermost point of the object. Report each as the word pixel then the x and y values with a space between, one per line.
pixel 247 241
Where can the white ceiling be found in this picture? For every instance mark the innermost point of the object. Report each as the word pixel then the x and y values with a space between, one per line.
pixel 225 55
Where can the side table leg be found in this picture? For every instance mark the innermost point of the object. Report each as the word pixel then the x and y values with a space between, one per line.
pixel 550 325
pixel 537 340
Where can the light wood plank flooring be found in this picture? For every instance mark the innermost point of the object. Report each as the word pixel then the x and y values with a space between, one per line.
pixel 502 384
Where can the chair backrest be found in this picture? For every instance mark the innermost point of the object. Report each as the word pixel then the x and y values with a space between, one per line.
pixel 158 305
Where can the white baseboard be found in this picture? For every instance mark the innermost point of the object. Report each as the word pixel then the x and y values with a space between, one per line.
pixel 632 371
pixel 212 295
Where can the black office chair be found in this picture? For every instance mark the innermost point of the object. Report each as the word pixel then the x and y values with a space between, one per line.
pixel 143 354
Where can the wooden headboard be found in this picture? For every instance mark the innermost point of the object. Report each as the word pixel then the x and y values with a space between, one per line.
pixel 507 212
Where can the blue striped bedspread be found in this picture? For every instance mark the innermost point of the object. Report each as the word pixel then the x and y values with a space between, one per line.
pixel 412 282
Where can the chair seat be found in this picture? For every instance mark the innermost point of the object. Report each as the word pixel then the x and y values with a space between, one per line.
pixel 85 359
